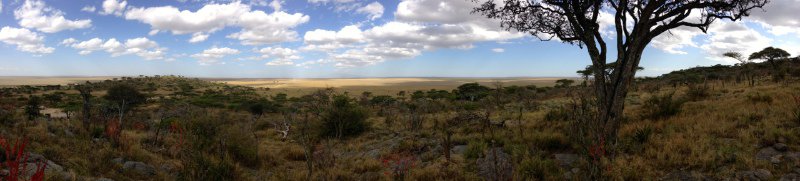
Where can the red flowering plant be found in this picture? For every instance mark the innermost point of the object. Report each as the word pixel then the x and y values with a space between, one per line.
pixel 16 161
pixel 398 165
pixel 180 133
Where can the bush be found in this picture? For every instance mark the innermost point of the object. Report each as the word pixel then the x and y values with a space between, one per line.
pixel 242 146
pixel 698 92
pixel 475 149
pixel 551 142
pixel 537 169
pixel 560 113
pixel 344 119
pixel 661 107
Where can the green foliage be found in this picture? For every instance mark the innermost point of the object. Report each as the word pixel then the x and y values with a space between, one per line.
pixel 551 142
pixel 642 135
pixel 661 106
pixel 241 146
pixel 125 95
pixel 472 92
pixel 475 149
pixel 382 100
pixel 558 113
pixel 33 107
pixel 537 168
pixel 564 83
pixel 344 118
pixel 208 167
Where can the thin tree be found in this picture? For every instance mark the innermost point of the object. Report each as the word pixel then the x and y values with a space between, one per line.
pixel 744 64
pixel 86 94
pixel 124 97
pixel 636 24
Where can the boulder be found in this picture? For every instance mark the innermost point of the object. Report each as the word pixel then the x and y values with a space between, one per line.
pixel 139 168
pixel 780 147
pixel 458 149
pixel 790 177
pixel 766 153
pixel 495 165
pixel 566 160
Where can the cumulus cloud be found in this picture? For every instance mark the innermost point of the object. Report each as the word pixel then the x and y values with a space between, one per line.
pixel 374 10
pixel 280 56
pixel 498 50
pixel 676 40
pixel 142 47
pixel 35 14
pixel 114 7
pixel 420 25
pixel 213 55
pixel 258 27
pixel 25 40
pixel 733 36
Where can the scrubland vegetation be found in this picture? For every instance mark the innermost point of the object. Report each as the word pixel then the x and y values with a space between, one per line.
pixel 720 122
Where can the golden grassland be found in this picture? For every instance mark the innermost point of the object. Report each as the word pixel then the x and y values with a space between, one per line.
pixel 378 86
pixel 715 136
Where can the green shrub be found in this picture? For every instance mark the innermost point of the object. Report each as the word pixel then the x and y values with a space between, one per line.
pixel 551 142
pixel 344 119
pixel 642 135
pixel 537 169
pixel 475 149
pixel 560 113
pixel 242 146
pixel 661 106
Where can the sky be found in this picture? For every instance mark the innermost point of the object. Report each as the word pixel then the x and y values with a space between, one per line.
pixel 331 38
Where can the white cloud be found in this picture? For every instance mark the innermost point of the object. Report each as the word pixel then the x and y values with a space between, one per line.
pixel 498 50
pixel 212 56
pixel 198 37
pixel 257 26
pixel 374 10
pixel 276 5
pixel 25 40
pixel 142 47
pixel 420 25
pixel 727 36
pixel 677 39
pixel 114 7
pixel 37 15
pixel 779 17
pixel 324 40
pixel 280 56
pixel 68 41
pixel 90 9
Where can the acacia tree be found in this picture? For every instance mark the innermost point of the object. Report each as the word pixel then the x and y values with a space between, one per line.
pixel 770 54
pixel 636 24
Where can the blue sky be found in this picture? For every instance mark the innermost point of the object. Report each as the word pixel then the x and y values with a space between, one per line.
pixel 328 38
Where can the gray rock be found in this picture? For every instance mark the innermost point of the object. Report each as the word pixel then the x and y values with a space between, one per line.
pixel 33 157
pixel 53 167
pixel 495 165
pixel 793 157
pixel 760 174
pixel 763 174
pixel 566 160
pixel 139 168
pixel 766 153
pixel 776 159
pixel 780 147
pixel 790 177
pixel 458 149
pixel 118 160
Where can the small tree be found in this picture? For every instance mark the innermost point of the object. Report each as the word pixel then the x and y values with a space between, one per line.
pixel 125 97
pixel 86 95
pixel 472 91
pixel 34 107
pixel 344 118
pixel 564 83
